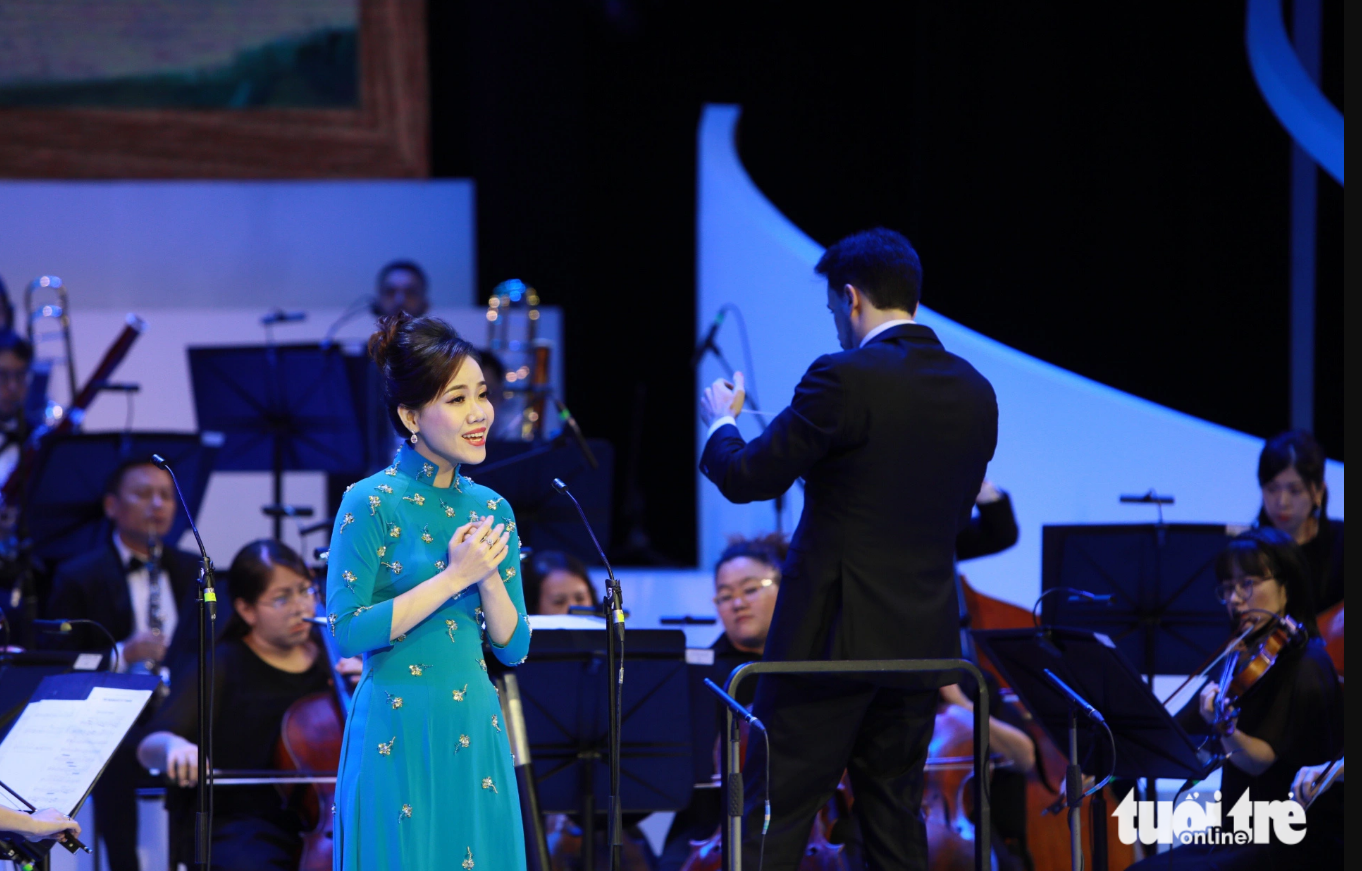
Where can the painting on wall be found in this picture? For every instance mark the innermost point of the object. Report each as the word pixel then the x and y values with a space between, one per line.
pixel 213 89
pixel 159 53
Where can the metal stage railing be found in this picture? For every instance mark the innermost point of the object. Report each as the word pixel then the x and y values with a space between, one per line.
pixel 732 775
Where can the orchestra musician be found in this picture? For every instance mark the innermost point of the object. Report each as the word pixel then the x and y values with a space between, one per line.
pixel 143 593
pixel 892 438
pixel 1296 501
pixel 1291 718
pixel 39 825
pixel 267 659
pixel 402 286
pixel 746 584
pixel 557 581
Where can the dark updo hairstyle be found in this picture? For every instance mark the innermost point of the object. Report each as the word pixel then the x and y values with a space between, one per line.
pixel 769 549
pixel 1293 449
pixel 249 577
pixel 1265 551
pixel 543 563
pixel 416 357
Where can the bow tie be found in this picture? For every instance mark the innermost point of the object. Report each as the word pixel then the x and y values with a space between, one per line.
pixel 135 563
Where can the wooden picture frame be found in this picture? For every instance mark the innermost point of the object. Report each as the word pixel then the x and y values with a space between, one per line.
pixel 388 136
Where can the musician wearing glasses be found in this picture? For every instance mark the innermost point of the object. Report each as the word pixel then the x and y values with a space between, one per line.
pixel 269 658
pixel 1290 718
pixel 142 591
pixel 746 584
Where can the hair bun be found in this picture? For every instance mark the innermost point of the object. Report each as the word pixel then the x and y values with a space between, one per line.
pixel 387 334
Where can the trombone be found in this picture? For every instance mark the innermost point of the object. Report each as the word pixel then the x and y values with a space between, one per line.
pixel 57 309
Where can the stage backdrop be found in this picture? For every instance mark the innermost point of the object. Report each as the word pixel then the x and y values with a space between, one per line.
pixel 1067 446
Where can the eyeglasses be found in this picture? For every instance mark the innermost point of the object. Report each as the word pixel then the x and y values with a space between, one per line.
pixel 1225 590
pixel 283 600
pixel 750 588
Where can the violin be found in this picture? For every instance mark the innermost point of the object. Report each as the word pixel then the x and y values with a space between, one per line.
pixel 310 737
pixel 1248 660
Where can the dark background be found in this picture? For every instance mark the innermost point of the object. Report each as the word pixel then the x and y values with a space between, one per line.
pixel 1103 188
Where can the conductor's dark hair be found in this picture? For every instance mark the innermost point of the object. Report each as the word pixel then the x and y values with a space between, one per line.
pixel 1267 552
pixel 114 482
pixel 1293 449
pixel 16 345
pixel 416 357
pixel 406 265
pixel 249 577
pixel 543 563
pixel 769 549
pixel 880 263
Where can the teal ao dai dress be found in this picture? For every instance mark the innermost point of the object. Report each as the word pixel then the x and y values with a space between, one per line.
pixel 426 776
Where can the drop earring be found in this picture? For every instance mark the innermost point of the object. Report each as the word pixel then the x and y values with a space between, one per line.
pixel 413 438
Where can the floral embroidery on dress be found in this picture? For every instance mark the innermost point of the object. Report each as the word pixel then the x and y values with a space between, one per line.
pixel 459 694
pixel 450 626
pixel 395 701
pixel 496 724
pixel 462 743
pixel 349 487
pixel 346 520
pixel 427 471
pixel 425 534
pixel 493 503
pixel 394 531
pixel 391 471
pixel 418 669
pixel 387 749
pixel 440 564
pixel 488 784
pixel 374 502
pixel 468 863
pixel 510 573
pixel 349 578
pixel 395 566
pixel 449 509
pixel 384 488
pixel 382 550
pixel 331 621
pixel 416 499
pixel 405 813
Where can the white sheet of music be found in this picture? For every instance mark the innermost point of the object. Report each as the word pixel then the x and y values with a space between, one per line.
pixel 58 746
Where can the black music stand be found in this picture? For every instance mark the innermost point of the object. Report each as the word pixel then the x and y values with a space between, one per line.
pixel 563 693
pixel 1149 742
pixel 65 506
pixel 523 473
pixel 281 408
pixel 1163 613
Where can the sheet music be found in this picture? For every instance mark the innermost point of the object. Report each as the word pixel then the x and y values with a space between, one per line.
pixel 59 746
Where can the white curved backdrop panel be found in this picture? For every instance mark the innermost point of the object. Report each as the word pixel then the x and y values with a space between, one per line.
pixel 1067 446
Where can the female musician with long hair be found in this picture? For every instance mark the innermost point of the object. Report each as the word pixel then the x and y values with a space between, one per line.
pixel 267 659
pixel 424 567
pixel 1296 501
pixel 1291 717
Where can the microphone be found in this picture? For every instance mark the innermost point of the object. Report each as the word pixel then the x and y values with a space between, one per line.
pixel 210 596
pixel 67 625
pixel 1150 498
pixel 575 431
pixel 614 585
pixel 708 343
pixel 1085 596
pixel 279 316
pixel 119 386
pixel 734 704
pixel 1074 697
pixel 56 627
pixel 282 510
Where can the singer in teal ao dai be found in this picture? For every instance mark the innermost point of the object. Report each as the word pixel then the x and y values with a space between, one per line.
pixel 426 775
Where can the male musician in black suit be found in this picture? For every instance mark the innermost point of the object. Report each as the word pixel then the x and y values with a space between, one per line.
pixel 892 437
pixel 144 594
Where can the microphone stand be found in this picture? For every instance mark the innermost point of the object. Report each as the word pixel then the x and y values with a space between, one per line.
pixel 207 616
pixel 614 656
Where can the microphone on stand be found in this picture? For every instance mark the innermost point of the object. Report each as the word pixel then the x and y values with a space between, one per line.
pixel 707 344
pixel 733 703
pixel 575 431
pixel 279 316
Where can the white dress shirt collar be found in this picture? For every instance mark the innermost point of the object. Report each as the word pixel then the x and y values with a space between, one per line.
pixel 884 326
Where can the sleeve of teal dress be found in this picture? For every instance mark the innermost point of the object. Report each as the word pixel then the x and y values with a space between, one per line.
pixel 358 623
pixel 517 647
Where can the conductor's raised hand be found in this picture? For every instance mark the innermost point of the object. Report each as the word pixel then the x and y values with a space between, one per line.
pixel 475 551
pixel 722 398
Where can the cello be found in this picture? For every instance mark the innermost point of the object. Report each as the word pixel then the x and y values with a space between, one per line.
pixel 1047 835
pixel 310 736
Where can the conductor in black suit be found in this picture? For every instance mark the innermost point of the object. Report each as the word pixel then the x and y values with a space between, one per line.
pixel 144 594
pixel 892 437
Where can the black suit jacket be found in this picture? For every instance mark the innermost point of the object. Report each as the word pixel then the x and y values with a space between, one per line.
pixel 892 441
pixel 94 586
